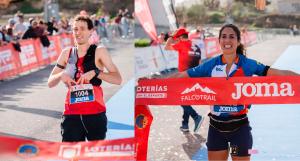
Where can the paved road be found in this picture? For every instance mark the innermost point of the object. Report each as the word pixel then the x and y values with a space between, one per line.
pixel 28 108
pixel 166 142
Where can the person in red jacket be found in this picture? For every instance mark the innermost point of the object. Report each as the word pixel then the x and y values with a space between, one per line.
pixel 189 56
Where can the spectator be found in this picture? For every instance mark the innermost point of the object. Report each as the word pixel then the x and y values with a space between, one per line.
pixel 42 33
pixel 10 26
pixel 10 35
pixel 103 28
pixel 291 30
pixel 124 26
pixel 16 16
pixel 161 38
pixel 126 13
pixel 31 31
pixel 118 21
pixel 52 26
pixel 189 56
pixel 63 26
pixel 20 27
pixel 4 31
pixel 39 30
pixel 13 39
pixel 2 37
pixel 295 30
pixel 268 23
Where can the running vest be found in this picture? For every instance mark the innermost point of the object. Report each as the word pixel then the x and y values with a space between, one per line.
pixel 86 98
pixel 216 67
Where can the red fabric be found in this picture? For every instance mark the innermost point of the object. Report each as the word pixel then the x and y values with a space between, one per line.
pixel 28 56
pixel 86 108
pixel 207 91
pixel 180 32
pixel 212 47
pixel 47 55
pixel 9 65
pixel 183 48
pixel 79 68
pixel 143 14
pixel 66 40
pixel 143 120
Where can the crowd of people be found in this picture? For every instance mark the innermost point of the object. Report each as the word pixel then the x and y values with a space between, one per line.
pixel 19 28
pixel 294 30
pixel 106 28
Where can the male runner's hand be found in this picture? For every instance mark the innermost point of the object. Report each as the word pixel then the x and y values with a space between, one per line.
pixel 67 80
pixel 86 77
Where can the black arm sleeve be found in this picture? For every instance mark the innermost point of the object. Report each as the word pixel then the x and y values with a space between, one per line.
pixel 266 70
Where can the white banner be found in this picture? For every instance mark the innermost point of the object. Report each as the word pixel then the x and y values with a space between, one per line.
pixel 6 61
pixel 27 56
pixel 149 60
pixel 50 51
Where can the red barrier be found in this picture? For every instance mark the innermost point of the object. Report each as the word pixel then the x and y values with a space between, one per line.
pixel 28 56
pixel 33 55
pixel 143 14
pixel 143 120
pixel 212 47
pixel 8 66
pixel 16 148
pixel 207 91
pixel 47 55
pixel 66 40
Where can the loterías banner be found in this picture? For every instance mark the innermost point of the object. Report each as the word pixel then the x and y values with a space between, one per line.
pixel 214 91
pixel 12 148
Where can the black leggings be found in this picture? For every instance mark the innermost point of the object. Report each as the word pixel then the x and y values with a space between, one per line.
pixel 81 127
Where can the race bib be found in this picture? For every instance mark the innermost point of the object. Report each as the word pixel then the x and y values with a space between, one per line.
pixel 228 109
pixel 81 93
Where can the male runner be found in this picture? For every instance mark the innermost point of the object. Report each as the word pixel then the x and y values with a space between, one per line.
pixel 81 68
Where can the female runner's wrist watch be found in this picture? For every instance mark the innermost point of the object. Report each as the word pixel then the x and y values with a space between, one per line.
pixel 97 72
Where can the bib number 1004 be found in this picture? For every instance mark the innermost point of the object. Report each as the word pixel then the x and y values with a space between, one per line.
pixel 81 93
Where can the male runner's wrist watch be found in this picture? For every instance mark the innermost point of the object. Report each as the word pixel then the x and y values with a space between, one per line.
pixel 97 72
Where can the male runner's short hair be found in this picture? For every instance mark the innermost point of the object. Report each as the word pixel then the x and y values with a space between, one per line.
pixel 85 19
